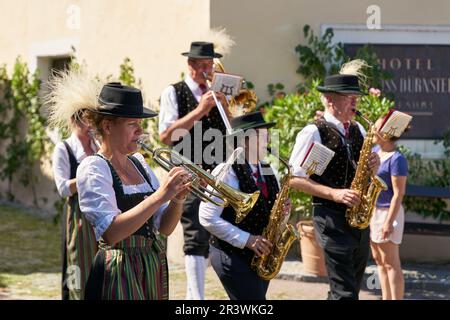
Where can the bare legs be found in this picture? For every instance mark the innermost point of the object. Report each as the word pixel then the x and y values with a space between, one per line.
pixel 387 257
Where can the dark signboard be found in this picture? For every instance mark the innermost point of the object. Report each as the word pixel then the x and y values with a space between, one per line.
pixel 420 84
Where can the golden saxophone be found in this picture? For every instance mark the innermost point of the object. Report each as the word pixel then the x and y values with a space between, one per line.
pixel 281 237
pixel 366 183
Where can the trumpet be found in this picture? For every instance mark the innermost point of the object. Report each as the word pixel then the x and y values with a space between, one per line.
pixel 241 202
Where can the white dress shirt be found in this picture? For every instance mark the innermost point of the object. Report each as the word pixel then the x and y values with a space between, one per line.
pixel 168 112
pixel 306 136
pixel 61 163
pixel 210 214
pixel 97 197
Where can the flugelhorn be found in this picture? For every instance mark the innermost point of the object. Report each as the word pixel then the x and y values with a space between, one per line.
pixel 167 158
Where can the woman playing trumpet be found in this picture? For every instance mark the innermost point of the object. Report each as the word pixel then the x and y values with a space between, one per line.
pixel 122 198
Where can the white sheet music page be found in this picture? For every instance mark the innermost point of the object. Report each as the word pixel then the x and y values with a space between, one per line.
pixel 317 159
pixel 228 84
pixel 395 123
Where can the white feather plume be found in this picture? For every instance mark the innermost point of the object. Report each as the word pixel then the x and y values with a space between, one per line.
pixel 222 41
pixel 70 91
pixel 356 67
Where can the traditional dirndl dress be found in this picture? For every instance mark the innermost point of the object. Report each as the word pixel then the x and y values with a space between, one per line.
pixel 136 267
pixel 79 245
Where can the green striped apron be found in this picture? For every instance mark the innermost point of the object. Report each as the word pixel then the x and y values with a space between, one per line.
pixel 134 268
pixel 79 244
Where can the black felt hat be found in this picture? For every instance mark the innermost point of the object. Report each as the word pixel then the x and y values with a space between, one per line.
pixel 253 120
pixel 341 83
pixel 202 50
pixel 118 100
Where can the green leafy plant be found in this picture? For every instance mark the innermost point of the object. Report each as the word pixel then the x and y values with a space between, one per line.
pixel 436 173
pixel 128 78
pixel 22 126
pixel 319 57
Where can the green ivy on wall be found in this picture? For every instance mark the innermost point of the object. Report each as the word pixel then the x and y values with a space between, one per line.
pixel 22 126
pixel 128 78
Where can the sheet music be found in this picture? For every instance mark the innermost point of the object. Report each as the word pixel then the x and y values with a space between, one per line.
pixel 317 159
pixel 228 84
pixel 396 123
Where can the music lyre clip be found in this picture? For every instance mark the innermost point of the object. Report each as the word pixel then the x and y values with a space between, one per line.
pixel 391 131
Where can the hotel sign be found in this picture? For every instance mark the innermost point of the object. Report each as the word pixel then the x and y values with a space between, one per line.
pixel 420 84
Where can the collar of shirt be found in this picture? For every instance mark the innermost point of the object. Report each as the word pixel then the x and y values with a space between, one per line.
pixel 77 147
pixel 254 169
pixel 332 119
pixel 193 86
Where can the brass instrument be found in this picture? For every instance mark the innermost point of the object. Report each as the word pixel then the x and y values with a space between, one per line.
pixel 246 100
pixel 241 202
pixel 268 266
pixel 366 183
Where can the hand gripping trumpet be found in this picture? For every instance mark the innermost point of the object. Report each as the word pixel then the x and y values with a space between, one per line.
pixel 167 158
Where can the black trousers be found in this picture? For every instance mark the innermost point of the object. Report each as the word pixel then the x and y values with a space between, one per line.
pixel 196 238
pixel 238 279
pixel 346 252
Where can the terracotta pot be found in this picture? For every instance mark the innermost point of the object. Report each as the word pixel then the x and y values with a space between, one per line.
pixel 312 255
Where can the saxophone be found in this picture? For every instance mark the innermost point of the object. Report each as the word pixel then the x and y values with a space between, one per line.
pixel 366 183
pixel 268 266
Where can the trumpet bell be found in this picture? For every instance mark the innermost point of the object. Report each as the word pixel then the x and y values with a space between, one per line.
pixel 246 205
pixel 240 201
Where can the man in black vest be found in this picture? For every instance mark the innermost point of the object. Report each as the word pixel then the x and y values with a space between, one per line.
pixel 346 248
pixel 233 245
pixel 187 120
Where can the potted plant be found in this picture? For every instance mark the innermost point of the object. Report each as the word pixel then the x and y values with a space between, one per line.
pixel 311 253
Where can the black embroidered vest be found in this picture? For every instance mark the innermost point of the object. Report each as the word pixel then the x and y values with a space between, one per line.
pixel 127 201
pixel 258 218
pixel 73 199
pixel 340 171
pixel 186 103
pixel 72 161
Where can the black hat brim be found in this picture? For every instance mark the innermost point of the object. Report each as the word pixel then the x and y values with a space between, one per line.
pixel 258 125
pixel 343 90
pixel 196 56
pixel 146 113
